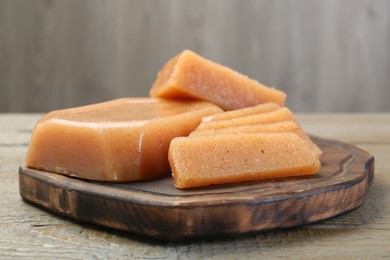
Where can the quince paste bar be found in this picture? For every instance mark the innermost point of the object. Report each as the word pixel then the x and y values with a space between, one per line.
pixel 280 114
pixel 227 158
pixel 120 140
pixel 282 126
pixel 248 111
pixel 278 127
pixel 191 76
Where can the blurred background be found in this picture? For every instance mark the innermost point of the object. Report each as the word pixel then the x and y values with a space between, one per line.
pixel 328 55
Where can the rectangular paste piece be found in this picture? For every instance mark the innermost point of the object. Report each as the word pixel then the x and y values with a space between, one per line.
pixel 248 111
pixel 278 127
pixel 280 114
pixel 206 160
pixel 191 76
pixel 282 126
pixel 120 140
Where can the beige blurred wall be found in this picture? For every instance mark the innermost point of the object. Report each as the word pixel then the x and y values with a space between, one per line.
pixel 328 55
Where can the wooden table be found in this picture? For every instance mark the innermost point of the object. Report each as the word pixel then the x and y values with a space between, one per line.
pixel 30 232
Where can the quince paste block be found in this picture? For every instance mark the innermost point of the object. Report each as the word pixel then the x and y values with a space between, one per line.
pixel 280 114
pixel 191 76
pixel 278 127
pixel 283 126
pixel 206 160
pixel 262 108
pixel 120 140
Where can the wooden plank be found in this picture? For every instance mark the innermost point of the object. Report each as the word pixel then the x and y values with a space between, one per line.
pixel 18 122
pixel 353 128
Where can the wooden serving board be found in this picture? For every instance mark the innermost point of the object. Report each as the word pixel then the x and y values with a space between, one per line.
pixel 156 209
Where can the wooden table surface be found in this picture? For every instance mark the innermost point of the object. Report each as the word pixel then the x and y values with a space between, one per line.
pixel 30 232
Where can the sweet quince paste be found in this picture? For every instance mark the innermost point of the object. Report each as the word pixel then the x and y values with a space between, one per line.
pixel 225 158
pixel 242 145
pixel 280 114
pixel 120 140
pixel 191 76
pixel 262 108
pixel 239 130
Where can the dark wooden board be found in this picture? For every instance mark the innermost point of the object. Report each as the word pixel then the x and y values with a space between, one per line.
pixel 156 209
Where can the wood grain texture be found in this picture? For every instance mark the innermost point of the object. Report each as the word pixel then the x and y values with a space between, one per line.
pixel 156 209
pixel 328 55
pixel 29 232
